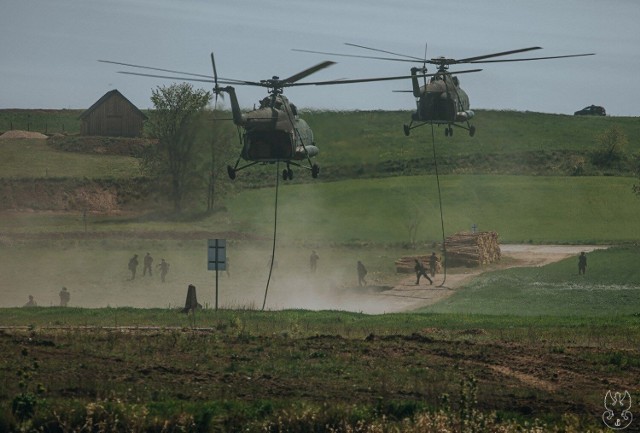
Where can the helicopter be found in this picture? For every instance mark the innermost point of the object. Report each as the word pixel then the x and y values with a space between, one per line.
pixel 441 100
pixel 273 132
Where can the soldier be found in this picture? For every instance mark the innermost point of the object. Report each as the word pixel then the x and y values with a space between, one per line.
pixel 433 263
pixel 133 266
pixel 65 297
pixel 313 262
pixel 582 263
pixel 164 268
pixel 31 302
pixel 148 261
pixel 421 272
pixel 362 271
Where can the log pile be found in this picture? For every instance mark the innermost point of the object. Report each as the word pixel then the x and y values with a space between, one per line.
pixel 472 249
pixel 406 264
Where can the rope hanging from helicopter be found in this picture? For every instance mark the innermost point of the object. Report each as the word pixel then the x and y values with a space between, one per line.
pixel 275 231
pixel 275 218
pixel 444 246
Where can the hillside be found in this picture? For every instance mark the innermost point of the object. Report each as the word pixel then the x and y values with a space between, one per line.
pixel 353 145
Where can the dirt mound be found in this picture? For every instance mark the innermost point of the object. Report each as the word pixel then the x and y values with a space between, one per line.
pixel 22 134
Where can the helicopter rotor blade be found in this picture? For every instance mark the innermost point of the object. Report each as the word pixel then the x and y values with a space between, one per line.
pixel 424 62
pixel 215 72
pixel 504 53
pixel 200 80
pixel 383 51
pixel 216 88
pixel 227 80
pixel 154 69
pixel 300 75
pixel 368 80
pixel 353 55
pixel 533 58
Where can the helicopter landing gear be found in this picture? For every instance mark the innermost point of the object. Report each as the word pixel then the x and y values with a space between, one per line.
pixel 448 131
pixel 231 172
pixel 407 129
pixel 472 131
pixel 315 170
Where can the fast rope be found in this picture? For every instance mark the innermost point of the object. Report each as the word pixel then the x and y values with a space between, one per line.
pixel 275 229
pixel 435 163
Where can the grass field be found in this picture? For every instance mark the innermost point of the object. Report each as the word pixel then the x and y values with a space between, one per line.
pixel 568 210
pixel 34 159
pixel 526 350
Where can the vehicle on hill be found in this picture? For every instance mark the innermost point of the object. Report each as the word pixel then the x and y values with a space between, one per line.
pixel 591 110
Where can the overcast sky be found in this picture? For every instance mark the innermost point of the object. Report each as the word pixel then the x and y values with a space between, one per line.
pixel 50 49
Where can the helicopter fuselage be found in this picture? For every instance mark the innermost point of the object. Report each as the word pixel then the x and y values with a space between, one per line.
pixel 278 140
pixel 441 100
pixel 273 132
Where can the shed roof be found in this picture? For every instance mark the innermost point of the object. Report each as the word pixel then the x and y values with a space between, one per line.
pixel 106 96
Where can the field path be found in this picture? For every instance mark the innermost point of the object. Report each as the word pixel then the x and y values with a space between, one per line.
pixel 406 295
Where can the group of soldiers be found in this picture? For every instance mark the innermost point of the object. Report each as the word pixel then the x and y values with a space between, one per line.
pixel 65 297
pixel 147 267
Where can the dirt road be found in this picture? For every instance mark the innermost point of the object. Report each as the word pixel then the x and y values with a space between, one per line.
pixel 406 295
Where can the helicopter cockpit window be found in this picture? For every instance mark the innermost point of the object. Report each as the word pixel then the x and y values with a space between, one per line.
pixel 294 109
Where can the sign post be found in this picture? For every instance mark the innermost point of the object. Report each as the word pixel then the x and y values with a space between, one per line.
pixel 217 259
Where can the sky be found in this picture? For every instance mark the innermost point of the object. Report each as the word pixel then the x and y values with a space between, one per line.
pixel 50 49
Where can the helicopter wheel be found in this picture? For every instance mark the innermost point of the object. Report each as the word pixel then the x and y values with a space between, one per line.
pixel 315 170
pixel 407 129
pixel 231 172
pixel 285 174
pixel 446 132
pixel 472 131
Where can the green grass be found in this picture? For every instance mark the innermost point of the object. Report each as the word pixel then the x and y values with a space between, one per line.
pixel 537 209
pixel 520 208
pixel 611 287
pixel 553 330
pixel 26 158
pixel 44 121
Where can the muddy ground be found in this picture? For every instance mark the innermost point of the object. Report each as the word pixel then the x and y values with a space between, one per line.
pixel 529 377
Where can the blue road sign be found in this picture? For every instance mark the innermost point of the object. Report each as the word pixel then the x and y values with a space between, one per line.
pixel 217 255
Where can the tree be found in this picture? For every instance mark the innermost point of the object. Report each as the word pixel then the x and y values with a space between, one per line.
pixel 612 143
pixel 220 135
pixel 175 123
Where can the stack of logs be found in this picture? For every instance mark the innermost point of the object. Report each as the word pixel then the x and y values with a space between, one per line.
pixel 472 249
pixel 406 264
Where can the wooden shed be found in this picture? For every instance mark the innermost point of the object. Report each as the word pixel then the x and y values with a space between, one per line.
pixel 113 115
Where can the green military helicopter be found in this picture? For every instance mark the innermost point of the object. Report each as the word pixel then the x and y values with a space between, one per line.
pixel 273 132
pixel 441 100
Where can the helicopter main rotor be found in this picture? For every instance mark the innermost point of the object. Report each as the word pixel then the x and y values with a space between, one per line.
pixel 443 63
